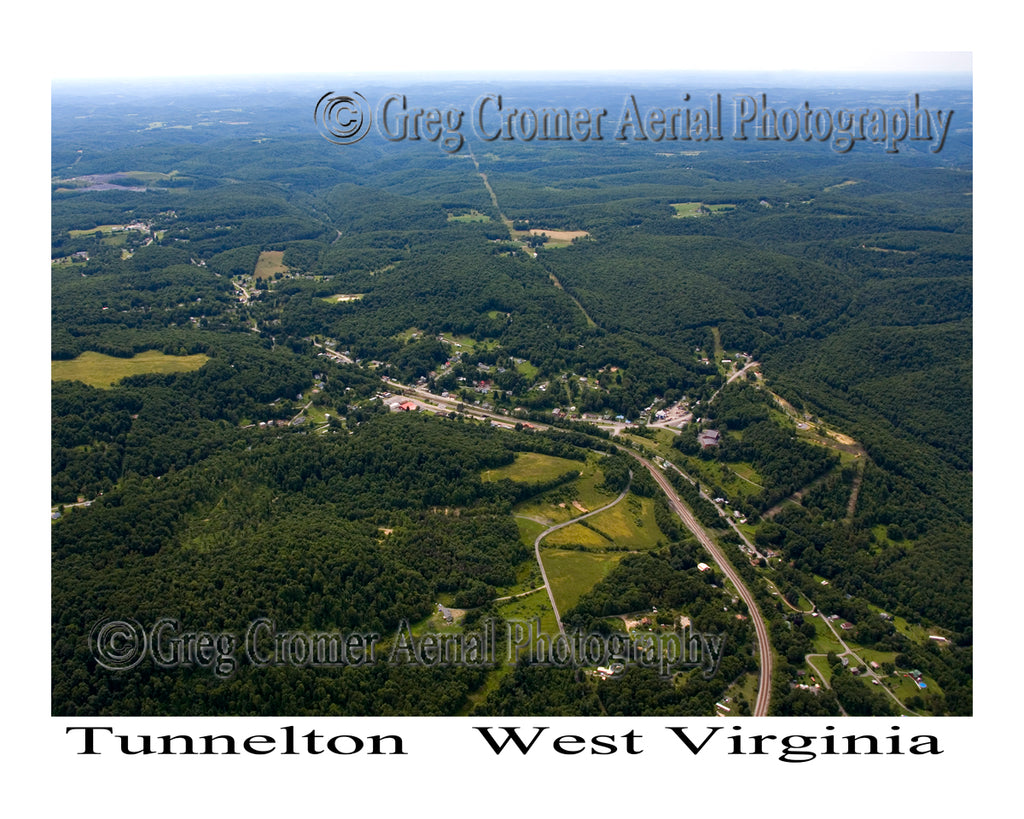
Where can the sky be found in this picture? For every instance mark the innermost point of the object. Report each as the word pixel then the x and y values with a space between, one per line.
pixel 199 37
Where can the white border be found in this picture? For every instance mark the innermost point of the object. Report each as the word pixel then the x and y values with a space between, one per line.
pixel 452 774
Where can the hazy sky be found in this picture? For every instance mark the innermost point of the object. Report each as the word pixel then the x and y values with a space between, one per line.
pixel 198 37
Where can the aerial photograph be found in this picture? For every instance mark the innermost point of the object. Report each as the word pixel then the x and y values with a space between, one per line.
pixel 570 395
pixel 490 409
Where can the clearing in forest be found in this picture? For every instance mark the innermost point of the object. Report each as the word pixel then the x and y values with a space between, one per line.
pixel 558 238
pixel 471 216
pixel 269 264
pixel 573 573
pixel 533 467
pixel 698 208
pixel 99 370
pixel 342 297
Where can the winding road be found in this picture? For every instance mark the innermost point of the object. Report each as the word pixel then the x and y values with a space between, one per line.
pixel 764 649
pixel 847 651
pixel 556 527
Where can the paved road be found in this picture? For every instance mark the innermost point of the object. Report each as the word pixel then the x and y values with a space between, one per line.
pixel 556 527
pixel 867 668
pixel 764 693
pixel 764 648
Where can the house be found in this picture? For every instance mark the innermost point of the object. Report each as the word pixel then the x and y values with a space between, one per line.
pixel 709 437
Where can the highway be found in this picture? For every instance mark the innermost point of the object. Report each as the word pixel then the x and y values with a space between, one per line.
pixel 764 648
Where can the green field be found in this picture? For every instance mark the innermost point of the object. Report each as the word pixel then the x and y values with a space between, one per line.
pixel 527 369
pixel 468 344
pixel 745 472
pixel 820 670
pixel 556 505
pixel 824 640
pixel 472 216
pixel 698 208
pixel 572 574
pixel 630 524
pixel 77 234
pixel 98 370
pixel 528 608
pixel 577 535
pixel 555 238
pixel 590 494
pixel 532 467
pixel 528 530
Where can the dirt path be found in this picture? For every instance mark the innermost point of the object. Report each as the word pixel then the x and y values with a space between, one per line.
pixel 851 507
pixel 517 596
pixel 512 235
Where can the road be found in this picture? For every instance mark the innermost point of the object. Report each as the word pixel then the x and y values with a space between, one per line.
pixel 733 377
pixel 861 663
pixel 847 651
pixel 764 648
pixel 556 527
pixel 752 550
pixel 344 359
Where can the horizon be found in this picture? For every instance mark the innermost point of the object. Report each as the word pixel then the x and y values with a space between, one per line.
pixel 952 79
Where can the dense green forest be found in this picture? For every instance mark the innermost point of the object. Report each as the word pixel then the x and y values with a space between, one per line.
pixel 274 482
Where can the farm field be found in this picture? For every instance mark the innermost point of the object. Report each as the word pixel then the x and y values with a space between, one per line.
pixel 578 535
pixel 472 216
pixel 103 371
pixel 269 264
pixel 532 467
pixel 629 524
pixel 559 238
pixel 572 573
pixel 684 209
